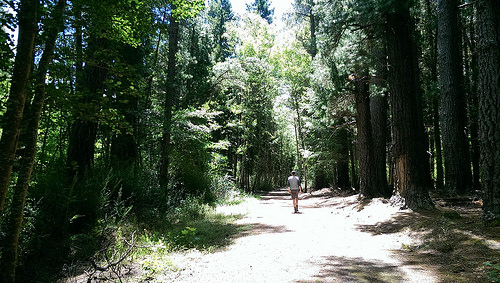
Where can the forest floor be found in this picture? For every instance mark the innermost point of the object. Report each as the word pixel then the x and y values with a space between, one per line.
pixel 337 238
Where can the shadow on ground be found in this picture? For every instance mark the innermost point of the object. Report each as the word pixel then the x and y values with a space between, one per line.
pixel 453 241
pixel 342 269
pixel 218 233
pixel 259 228
pixel 322 198
pixel 280 194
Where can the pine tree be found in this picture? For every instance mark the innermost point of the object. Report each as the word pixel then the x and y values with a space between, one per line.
pixel 412 177
pixel 488 29
pixel 263 8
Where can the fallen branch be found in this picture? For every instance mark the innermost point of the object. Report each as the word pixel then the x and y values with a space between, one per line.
pixel 111 265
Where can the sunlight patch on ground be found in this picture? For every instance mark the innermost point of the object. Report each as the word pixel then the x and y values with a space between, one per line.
pixel 323 243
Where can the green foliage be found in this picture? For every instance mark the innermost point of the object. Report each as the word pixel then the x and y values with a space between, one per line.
pixel 223 187
pixel 195 63
pixel 262 8
pixel 256 36
pixel 192 224
pixel 123 21
pixel 191 157
pixel 7 21
pixel 492 271
pixel 210 233
pixel 191 208
pixel 76 220
pixel 250 128
pixel 8 24
pixel 187 8
pixel 219 15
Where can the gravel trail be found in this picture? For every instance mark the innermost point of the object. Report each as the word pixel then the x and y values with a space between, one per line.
pixel 330 240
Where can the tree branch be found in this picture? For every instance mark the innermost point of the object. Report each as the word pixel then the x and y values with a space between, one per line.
pixel 122 258
pixel 466 4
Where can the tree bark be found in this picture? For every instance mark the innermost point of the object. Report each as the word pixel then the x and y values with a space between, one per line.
pixel 453 111
pixel 124 152
pixel 378 112
pixel 91 74
pixel 430 62
pixel 170 98
pixel 341 137
pixel 437 145
pixel 28 138
pixel 81 148
pixel 473 98
pixel 354 175
pixel 488 47
pixel 364 138
pixel 17 96
pixel 412 180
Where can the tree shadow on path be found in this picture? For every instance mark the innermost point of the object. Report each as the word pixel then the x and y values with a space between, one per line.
pixel 323 194
pixel 279 194
pixel 452 241
pixel 342 269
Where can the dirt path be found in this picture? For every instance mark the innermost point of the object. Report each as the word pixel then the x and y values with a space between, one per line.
pixel 324 243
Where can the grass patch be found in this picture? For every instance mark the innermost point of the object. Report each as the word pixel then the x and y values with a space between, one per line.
pixel 194 225
pixel 237 197
pixel 210 233
pixel 205 231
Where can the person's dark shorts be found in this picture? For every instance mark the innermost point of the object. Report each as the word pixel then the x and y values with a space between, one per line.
pixel 295 193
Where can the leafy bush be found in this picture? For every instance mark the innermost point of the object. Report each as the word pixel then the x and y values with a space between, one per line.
pixel 223 187
pixel 190 209
pixel 69 221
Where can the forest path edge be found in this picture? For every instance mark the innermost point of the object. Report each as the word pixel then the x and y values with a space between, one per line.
pixel 332 239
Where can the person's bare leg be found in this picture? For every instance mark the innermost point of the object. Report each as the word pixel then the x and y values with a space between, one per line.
pixel 296 204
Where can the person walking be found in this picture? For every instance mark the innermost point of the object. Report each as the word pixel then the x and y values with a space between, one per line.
pixel 294 188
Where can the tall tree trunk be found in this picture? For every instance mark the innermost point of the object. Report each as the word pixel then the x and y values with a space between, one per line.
pixel 378 112
pixel 412 179
pixel 488 47
pixel 453 110
pixel 28 138
pixel 299 139
pixel 145 104
pixel 341 137
pixel 431 65
pixel 364 137
pixel 170 98
pixel 343 181
pixel 17 97
pixel 437 145
pixel 354 175
pixel 473 100
pixel 124 152
pixel 312 24
pixel 81 148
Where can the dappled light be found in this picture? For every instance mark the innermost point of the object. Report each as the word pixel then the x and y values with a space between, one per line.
pixel 325 239
pixel 249 141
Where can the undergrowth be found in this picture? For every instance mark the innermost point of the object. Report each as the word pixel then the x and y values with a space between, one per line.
pixel 144 242
pixel 492 271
